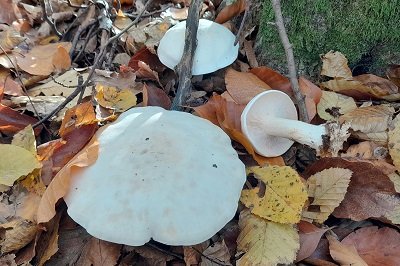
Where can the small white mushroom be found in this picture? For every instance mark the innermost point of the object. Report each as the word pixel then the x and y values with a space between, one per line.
pixel 163 175
pixel 214 51
pixel 270 123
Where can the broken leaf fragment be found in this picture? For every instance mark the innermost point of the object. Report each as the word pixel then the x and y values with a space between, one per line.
pixel 115 99
pixel 334 65
pixel 15 162
pixel 327 188
pixel 332 105
pixel 264 242
pixel 284 195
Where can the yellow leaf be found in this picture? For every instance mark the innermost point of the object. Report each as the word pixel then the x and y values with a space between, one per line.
pixel 327 188
pixel 113 98
pixel 334 65
pixel 15 162
pixel 332 105
pixel 284 195
pixel 265 243
pixel 394 142
pixel 25 139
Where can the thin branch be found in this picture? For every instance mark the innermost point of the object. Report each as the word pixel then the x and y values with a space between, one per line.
pixel 48 20
pixel 173 254
pixel 216 261
pixel 246 11
pixel 184 68
pixel 276 5
pixel 96 63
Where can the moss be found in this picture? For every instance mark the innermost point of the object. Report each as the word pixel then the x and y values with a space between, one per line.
pixel 354 27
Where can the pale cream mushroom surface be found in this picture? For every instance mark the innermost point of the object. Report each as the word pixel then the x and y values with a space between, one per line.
pixel 215 47
pixel 163 175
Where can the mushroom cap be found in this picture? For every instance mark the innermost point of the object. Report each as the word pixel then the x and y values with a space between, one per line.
pixel 214 51
pixel 163 175
pixel 268 103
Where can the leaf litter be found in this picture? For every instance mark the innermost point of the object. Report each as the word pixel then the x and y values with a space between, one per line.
pixel 288 215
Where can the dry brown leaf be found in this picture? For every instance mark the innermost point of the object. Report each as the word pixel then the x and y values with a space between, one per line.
pixel 327 190
pixel 152 256
pixel 371 194
pixel 369 119
pixel 99 252
pixel 394 141
pixel 146 56
pixel 310 236
pixel 153 96
pixel 9 38
pixel 8 85
pixel 230 11
pixel 218 252
pixel 8 260
pixel 366 150
pixel 376 246
pixel 243 86
pixel 226 114
pixel 334 65
pixel 45 59
pixel 43 105
pixel 393 74
pixel 332 105
pixel 52 245
pixel 378 137
pixel 17 234
pixel 7 14
pixel 274 79
pixel 82 114
pixel 12 121
pixel 191 254
pixel 313 95
pixel 25 139
pixel 176 13
pixel 346 255
pixel 60 184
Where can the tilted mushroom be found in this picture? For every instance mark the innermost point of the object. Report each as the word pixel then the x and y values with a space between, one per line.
pixel 215 47
pixel 163 175
pixel 269 121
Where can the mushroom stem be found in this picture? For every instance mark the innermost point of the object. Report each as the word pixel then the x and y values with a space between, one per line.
pixel 304 133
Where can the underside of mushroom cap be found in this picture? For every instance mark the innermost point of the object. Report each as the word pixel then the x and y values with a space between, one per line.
pixel 163 175
pixel 214 51
pixel 271 103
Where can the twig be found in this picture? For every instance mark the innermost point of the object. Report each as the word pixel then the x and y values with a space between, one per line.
pixel 184 68
pixel 48 20
pixel 218 262
pixel 98 60
pixel 78 34
pixel 173 254
pixel 246 11
pixel 303 115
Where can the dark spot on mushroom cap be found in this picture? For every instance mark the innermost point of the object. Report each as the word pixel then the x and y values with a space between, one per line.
pixel 215 166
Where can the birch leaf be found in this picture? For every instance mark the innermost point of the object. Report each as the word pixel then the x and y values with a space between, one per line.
pixel 284 195
pixel 346 255
pixel 265 243
pixel 327 188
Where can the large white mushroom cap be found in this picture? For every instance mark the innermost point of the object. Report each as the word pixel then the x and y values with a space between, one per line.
pixel 214 50
pixel 163 175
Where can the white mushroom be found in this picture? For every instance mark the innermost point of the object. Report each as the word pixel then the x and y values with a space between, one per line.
pixel 214 50
pixel 163 175
pixel 269 121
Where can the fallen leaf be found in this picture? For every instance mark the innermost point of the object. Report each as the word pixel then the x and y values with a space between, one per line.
pixel 376 246
pixel 25 139
pixel 265 243
pixel 115 99
pixel 218 252
pixel 230 11
pixel 60 184
pixel 52 245
pixel 154 96
pixel 17 234
pixel 12 121
pixel 274 79
pixel 175 13
pixel 42 105
pixel 243 86
pixel 283 198
pixel 370 194
pixel 313 95
pixel 8 85
pixel 191 254
pixel 393 74
pixel 8 260
pixel 346 255
pixel 394 141
pixel 80 115
pixel 369 119
pixel 366 150
pixel 334 65
pixel 226 114
pixel 99 252
pixel 7 15
pixel 15 162
pixel 45 59
pixel 327 190
pixel 310 236
pixel 9 38
pixel 145 72
pixel 148 58
pixel 332 105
